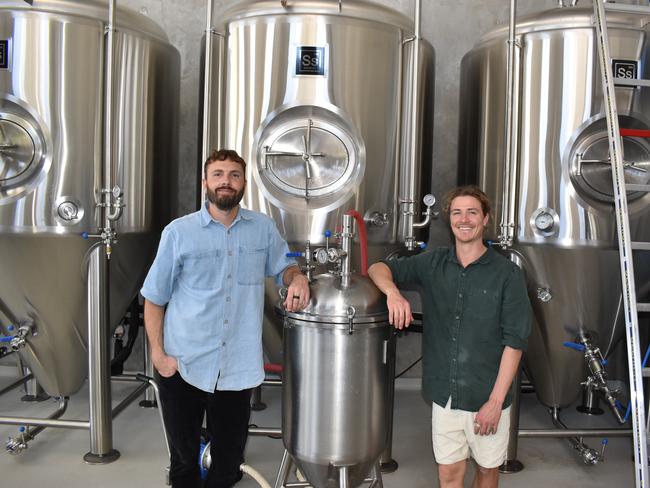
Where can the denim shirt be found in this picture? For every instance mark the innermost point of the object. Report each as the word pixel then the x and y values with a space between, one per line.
pixel 211 278
pixel 470 314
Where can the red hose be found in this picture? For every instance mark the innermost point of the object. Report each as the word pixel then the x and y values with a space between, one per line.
pixel 635 133
pixel 273 368
pixel 363 240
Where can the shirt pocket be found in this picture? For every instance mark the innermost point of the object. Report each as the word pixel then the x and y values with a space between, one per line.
pixel 252 263
pixel 202 270
pixel 483 309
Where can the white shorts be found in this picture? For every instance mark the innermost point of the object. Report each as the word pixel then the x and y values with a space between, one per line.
pixel 452 432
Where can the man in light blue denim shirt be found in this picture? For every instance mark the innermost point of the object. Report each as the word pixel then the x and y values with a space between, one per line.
pixel 204 298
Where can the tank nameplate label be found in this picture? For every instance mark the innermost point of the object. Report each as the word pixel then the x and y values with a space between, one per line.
pixel 4 54
pixel 625 68
pixel 310 60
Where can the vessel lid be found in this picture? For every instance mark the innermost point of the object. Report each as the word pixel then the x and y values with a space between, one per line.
pixel 330 302
pixel 125 18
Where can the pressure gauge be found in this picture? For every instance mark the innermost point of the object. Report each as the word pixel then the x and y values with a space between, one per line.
pixel 429 200
pixel 321 255
pixel 543 220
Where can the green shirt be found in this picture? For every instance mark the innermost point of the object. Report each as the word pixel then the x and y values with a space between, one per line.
pixel 470 315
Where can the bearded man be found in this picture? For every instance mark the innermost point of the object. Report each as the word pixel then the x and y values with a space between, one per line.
pixel 204 298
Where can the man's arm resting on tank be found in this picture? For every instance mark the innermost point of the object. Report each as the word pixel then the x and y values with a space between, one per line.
pixel 298 289
pixel 487 418
pixel 399 309
pixel 153 324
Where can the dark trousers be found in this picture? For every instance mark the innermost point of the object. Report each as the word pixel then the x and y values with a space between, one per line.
pixel 227 414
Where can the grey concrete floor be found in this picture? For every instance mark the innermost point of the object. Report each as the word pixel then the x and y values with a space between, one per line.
pixel 54 458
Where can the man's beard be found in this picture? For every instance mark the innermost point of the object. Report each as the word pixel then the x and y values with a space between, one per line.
pixel 225 202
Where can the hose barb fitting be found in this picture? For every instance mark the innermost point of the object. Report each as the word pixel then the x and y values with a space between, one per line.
pixel 25 329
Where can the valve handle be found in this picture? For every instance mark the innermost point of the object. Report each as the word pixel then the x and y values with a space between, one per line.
pixel 10 327
pixel 6 339
pixel 328 233
pixel 296 254
pixel 574 345
pixel 85 235
pixel 422 245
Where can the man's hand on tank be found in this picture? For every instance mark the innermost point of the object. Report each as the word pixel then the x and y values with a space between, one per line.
pixel 399 310
pixel 297 293
pixel 164 364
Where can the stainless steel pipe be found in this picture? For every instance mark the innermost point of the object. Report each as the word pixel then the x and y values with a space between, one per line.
pixel 511 133
pixel 575 432
pixel 99 390
pixel 65 424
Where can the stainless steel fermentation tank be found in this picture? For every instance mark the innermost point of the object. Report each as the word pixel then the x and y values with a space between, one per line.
pixel 554 202
pixel 53 138
pixel 338 376
pixel 318 97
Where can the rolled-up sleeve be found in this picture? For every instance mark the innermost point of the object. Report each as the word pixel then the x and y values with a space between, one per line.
pixel 159 283
pixel 516 312
pixel 277 261
pixel 407 270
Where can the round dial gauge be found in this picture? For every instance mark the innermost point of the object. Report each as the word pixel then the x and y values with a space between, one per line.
pixel 544 221
pixel 321 255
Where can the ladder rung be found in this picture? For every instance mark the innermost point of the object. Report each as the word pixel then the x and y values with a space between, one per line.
pixel 641 246
pixel 643 307
pixel 633 187
pixel 635 133
pixel 631 82
pixel 646 372
pixel 625 8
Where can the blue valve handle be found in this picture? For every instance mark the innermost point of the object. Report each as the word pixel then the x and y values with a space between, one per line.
pixel 328 233
pixel 423 245
pixel 574 345
pixel 295 254
pixel 6 339
pixel 84 235
pixel 605 441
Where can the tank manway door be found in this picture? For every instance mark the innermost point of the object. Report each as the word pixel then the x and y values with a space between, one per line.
pixel 307 161
pixel 591 169
pixel 21 151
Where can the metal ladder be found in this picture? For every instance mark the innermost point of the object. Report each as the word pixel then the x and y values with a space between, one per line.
pixel 631 307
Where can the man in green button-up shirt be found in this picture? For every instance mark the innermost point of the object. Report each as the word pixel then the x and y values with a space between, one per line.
pixel 477 319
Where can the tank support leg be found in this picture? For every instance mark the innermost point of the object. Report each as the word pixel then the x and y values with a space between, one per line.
pixel 386 461
pixel 511 464
pixel 344 481
pixel 283 471
pixel 99 368
pixel 375 477
pixel 149 395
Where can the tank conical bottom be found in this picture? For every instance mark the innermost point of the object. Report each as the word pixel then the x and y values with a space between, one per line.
pixel 327 476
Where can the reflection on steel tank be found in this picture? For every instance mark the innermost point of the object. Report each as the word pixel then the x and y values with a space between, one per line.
pixel 556 204
pixel 317 98
pixel 52 66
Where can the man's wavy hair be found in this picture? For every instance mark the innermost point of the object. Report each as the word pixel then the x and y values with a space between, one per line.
pixel 223 155
pixel 467 191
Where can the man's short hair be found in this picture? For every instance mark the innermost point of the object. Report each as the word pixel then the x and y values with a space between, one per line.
pixel 467 191
pixel 223 155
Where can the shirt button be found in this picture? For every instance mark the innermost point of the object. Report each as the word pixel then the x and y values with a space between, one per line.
pixel 228 232
pixel 229 253
pixel 453 360
pixel 227 299
pixel 229 276
pixel 460 295
pixel 225 321
pixel 453 339
pixel 457 317
pixel 463 273
pixel 223 344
